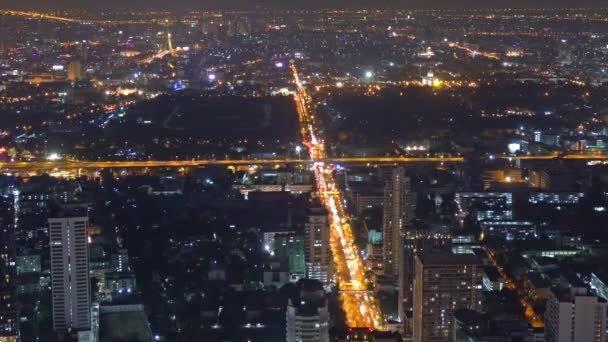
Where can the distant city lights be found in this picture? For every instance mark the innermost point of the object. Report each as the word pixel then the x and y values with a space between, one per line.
pixel 53 157
pixel 514 147
pixel 178 86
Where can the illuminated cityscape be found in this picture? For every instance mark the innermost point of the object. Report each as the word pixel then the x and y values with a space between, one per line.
pixel 303 172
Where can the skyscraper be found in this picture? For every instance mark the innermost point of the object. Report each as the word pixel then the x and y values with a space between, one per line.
pixel 398 212
pixel 417 242
pixel 75 72
pixel 9 329
pixel 443 283
pixel 70 270
pixel 575 315
pixel 317 251
pixel 308 319
pixel 2 35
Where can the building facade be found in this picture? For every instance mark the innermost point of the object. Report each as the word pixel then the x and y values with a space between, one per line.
pixel 398 212
pixel 70 273
pixel 29 264
pixel 9 326
pixel 317 249
pixel 75 71
pixel 575 316
pixel 307 318
pixel 444 282
pixel 417 242
pixel 307 323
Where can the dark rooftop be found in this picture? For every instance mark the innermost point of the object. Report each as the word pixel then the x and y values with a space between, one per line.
pixel 443 258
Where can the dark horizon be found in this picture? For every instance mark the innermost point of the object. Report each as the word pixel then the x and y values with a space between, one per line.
pixel 185 5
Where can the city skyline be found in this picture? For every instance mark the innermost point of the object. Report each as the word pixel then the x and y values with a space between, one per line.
pixel 187 5
pixel 231 171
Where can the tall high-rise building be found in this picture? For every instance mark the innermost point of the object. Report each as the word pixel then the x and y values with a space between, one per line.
pixel 308 319
pixel 289 246
pixel 399 205
pixel 317 249
pixel 75 71
pixel 2 35
pixel 9 329
pixel 70 270
pixel 575 315
pixel 565 54
pixel 417 242
pixel 443 283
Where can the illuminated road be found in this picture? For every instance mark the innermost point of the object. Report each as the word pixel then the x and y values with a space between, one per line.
pixel 533 318
pixel 161 54
pixel 360 307
pixel 40 165
pixel 474 53
pixel 51 17
pixel 39 15
pixel 318 157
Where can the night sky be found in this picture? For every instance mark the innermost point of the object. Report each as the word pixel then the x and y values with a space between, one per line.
pixel 286 4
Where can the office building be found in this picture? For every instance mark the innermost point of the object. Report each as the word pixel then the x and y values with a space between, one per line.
pixel 509 230
pixel 317 249
pixel 120 283
pixel 443 283
pixel 29 264
pixel 557 198
pixel 566 55
pixel 492 279
pixel 120 261
pixel 289 246
pixel 575 315
pixel 308 319
pixel 366 197
pixel 9 326
pixel 598 283
pixel 307 323
pixel 554 180
pixel 485 206
pixel 70 270
pixel 75 71
pixel 374 250
pixel 398 213
pixel 417 242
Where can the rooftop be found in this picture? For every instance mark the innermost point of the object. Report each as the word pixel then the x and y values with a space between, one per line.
pixel 443 258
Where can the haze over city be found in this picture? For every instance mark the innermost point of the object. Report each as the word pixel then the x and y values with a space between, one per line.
pixel 304 171
pixel 185 5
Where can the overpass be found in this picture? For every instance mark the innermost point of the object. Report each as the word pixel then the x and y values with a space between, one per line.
pixel 372 160
pixel 82 164
pixel 63 19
